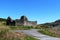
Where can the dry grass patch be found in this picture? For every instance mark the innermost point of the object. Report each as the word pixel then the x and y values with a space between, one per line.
pixel 6 34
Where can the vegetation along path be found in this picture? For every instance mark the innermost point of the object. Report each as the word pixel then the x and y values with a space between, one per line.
pixel 34 33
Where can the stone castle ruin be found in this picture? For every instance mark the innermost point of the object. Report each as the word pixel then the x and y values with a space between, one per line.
pixel 23 21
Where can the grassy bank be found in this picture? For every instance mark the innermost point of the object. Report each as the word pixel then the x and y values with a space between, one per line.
pixel 50 31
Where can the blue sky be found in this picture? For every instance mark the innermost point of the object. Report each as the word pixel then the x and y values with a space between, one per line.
pixel 41 10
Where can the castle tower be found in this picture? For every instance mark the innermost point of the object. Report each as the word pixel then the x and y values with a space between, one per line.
pixel 8 21
pixel 24 20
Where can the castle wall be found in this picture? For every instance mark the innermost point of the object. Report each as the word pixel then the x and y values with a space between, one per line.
pixel 26 23
pixel 18 23
pixel 30 23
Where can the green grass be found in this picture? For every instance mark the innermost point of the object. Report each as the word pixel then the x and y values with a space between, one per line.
pixel 30 38
pixel 21 27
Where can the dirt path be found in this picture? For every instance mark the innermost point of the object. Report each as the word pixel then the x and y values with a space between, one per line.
pixel 37 35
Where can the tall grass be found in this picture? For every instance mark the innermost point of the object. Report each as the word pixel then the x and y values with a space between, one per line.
pixel 47 31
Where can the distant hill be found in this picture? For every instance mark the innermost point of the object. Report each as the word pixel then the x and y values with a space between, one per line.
pixel 2 19
pixel 53 24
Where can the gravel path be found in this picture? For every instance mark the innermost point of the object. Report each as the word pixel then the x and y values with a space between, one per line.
pixel 37 35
